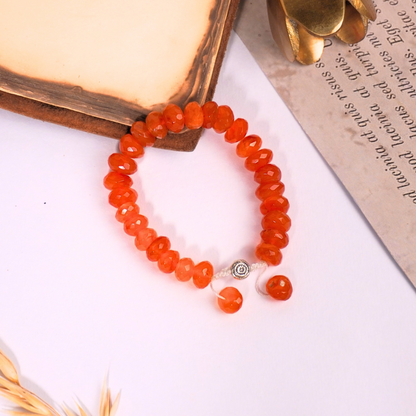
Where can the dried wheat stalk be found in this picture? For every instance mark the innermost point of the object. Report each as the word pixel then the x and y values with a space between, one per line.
pixel 28 404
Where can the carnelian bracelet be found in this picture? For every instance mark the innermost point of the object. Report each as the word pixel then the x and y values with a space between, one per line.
pixel 274 205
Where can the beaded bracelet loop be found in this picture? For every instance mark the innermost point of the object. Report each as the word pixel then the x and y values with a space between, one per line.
pixel 274 205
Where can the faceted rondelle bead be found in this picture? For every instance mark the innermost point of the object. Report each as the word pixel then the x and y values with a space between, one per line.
pixel 274 203
pixel 130 146
pixel 121 195
pixel 122 164
pixel 134 223
pixel 156 124
pixel 232 302
pixel 276 220
pixel 185 269
pixel 114 179
pixel 268 173
pixel 174 118
pixel 210 110
pixel 194 116
pixel 126 210
pixel 248 145
pixel 275 237
pixel 144 238
pixel 279 287
pixel 224 119
pixel 269 253
pixel 258 159
pixel 203 273
pixel 237 131
pixel 266 190
pixel 157 247
pixel 168 261
pixel 140 131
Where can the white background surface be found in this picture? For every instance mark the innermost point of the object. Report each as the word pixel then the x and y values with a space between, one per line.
pixel 78 300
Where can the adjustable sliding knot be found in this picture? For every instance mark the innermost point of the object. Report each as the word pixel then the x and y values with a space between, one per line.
pixel 230 299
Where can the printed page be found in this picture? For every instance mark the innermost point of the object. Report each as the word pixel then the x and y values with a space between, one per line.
pixel 358 106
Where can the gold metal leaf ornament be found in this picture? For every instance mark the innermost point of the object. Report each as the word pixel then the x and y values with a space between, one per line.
pixel 310 47
pixel 320 17
pixel 354 28
pixel 300 27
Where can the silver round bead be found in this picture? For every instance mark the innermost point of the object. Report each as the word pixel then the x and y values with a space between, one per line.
pixel 240 269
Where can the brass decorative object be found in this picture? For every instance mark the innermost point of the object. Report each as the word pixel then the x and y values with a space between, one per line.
pixel 299 28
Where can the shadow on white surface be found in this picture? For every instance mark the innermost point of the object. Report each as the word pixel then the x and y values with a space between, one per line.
pixel 79 299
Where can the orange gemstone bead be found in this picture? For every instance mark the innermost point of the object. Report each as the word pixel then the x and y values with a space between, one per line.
pixel 232 302
pixel 275 237
pixel 122 164
pixel 174 118
pixel 130 146
pixel 209 110
pixel 224 118
pixel 185 269
pixel 156 124
pixel 125 210
pixel 269 253
pixel 114 179
pixel 276 220
pixel 144 238
pixel 258 159
pixel 140 131
pixel 265 190
pixel 168 261
pixel 134 223
pixel 274 203
pixel 237 131
pixel 157 248
pixel 268 173
pixel 121 195
pixel 279 287
pixel 194 116
pixel 248 145
pixel 203 273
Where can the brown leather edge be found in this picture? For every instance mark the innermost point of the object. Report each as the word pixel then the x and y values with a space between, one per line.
pixel 62 116
pixel 232 12
pixel 186 141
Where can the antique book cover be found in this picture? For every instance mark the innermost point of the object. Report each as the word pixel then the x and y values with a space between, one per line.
pixel 102 68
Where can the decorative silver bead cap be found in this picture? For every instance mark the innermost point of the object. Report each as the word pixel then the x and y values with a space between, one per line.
pixel 240 269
